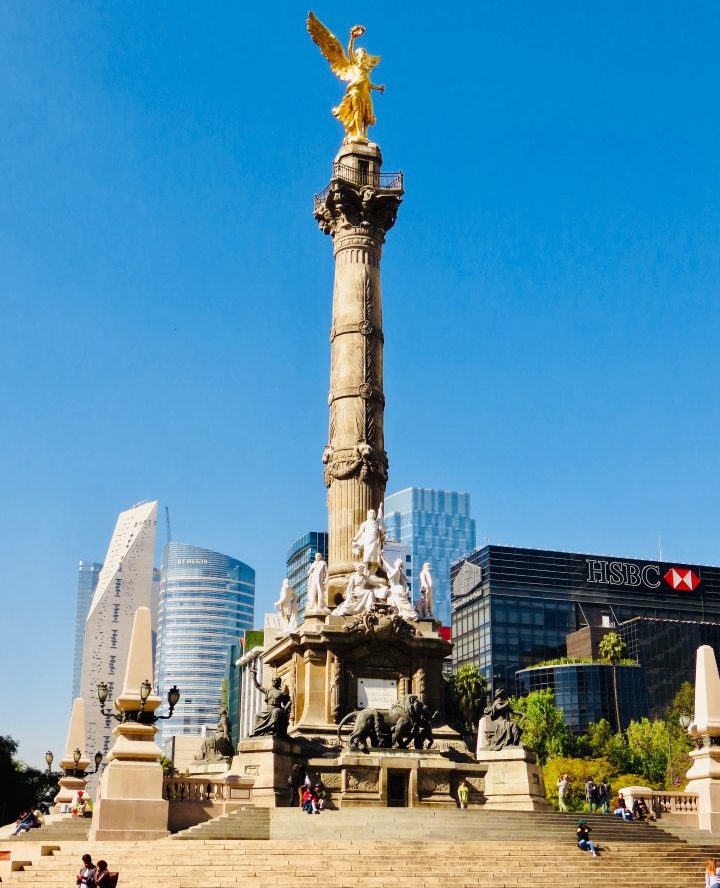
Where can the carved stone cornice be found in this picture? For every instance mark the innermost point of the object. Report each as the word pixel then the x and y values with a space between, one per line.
pixel 361 461
pixel 347 207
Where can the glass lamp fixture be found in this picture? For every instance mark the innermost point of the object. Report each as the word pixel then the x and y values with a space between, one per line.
pixel 685 722
pixel 49 759
pixel 102 693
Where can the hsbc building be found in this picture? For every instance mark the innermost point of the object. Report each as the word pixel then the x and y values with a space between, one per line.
pixel 513 608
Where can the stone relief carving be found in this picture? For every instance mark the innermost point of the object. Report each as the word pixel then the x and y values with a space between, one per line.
pixel 335 695
pixel 331 780
pixel 383 624
pixel 362 780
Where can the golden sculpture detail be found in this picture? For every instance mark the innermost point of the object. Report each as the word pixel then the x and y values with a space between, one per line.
pixel 355 112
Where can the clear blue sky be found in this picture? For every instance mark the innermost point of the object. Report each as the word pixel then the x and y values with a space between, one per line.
pixel 550 290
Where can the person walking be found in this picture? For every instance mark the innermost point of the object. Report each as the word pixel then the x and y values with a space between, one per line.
pixel 583 838
pixel 86 876
pixel 563 785
pixel 604 795
pixel 591 794
pixel 464 794
pixel 712 873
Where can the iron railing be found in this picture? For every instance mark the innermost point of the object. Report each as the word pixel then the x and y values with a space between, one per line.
pixel 361 177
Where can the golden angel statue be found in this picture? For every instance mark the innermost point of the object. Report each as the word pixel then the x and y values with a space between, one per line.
pixel 355 112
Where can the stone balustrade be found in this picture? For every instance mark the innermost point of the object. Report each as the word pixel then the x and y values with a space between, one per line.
pixel 197 799
pixel 675 803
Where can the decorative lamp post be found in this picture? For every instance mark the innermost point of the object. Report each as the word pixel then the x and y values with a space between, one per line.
pixel 685 722
pixel 137 715
pixel 77 755
pixel 49 758
pixel 98 760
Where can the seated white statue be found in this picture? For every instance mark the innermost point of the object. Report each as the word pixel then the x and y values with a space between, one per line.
pixel 363 591
pixel 399 597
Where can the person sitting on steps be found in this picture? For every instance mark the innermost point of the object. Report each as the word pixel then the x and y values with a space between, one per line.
pixel 621 809
pixel 583 838
pixel 86 876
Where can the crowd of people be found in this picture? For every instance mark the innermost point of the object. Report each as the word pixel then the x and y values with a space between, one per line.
pixel 598 798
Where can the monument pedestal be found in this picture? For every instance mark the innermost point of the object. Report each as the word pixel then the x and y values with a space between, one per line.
pixel 400 778
pixel 513 780
pixel 267 760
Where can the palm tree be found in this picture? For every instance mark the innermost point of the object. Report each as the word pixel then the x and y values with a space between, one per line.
pixel 612 649
pixel 469 692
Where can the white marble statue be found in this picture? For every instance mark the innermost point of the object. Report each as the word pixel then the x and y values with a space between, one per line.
pixel 426 586
pixel 367 544
pixel 317 577
pixel 287 606
pixel 399 597
pixel 363 591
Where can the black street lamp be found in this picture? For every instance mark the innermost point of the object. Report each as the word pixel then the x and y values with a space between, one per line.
pixel 49 757
pixel 77 755
pixel 98 759
pixel 145 718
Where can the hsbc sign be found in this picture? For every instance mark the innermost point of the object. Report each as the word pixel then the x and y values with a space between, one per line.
pixel 628 573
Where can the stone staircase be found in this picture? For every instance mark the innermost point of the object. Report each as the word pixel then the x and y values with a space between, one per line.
pixel 375 848
pixel 56 828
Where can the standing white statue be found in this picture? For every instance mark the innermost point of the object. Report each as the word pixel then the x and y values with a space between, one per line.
pixel 367 544
pixel 317 577
pixel 399 597
pixel 426 587
pixel 287 606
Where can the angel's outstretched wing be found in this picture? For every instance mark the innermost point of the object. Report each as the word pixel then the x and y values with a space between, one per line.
pixel 329 45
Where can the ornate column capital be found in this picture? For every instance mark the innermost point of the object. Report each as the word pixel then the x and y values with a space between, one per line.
pixel 347 208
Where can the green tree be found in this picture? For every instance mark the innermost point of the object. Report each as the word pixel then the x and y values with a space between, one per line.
pixel 168 768
pixel 467 689
pixel 683 704
pixel 647 743
pixel 20 786
pixel 594 743
pixel 612 649
pixel 578 771
pixel 544 728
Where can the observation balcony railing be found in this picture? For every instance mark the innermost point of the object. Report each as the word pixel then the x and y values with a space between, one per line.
pixel 361 177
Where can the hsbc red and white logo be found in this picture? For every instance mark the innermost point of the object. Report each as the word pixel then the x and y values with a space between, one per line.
pixel 682 578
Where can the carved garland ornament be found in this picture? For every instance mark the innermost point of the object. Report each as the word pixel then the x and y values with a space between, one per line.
pixel 362 460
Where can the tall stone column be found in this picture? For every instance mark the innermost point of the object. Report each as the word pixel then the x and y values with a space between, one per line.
pixel 357 209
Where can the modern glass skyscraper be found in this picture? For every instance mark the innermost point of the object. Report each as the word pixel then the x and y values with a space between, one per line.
pixel 88 574
pixel 300 556
pixel 206 601
pixel 437 526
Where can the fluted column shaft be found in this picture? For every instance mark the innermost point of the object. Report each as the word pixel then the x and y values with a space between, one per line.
pixel 357 215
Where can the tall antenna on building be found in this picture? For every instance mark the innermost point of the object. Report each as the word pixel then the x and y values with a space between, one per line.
pixel 167 524
pixel 660 558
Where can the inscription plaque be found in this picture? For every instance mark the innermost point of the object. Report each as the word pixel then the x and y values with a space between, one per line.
pixel 376 693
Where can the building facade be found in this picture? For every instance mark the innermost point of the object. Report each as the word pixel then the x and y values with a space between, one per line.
pixel 206 601
pixel 124 585
pixel 301 555
pixel 666 650
pixel 585 692
pixel 88 576
pixel 437 527
pixel 513 607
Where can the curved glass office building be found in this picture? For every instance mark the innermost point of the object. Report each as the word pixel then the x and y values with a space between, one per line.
pixel 206 601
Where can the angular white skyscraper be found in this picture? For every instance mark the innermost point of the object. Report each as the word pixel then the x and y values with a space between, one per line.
pixel 124 585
